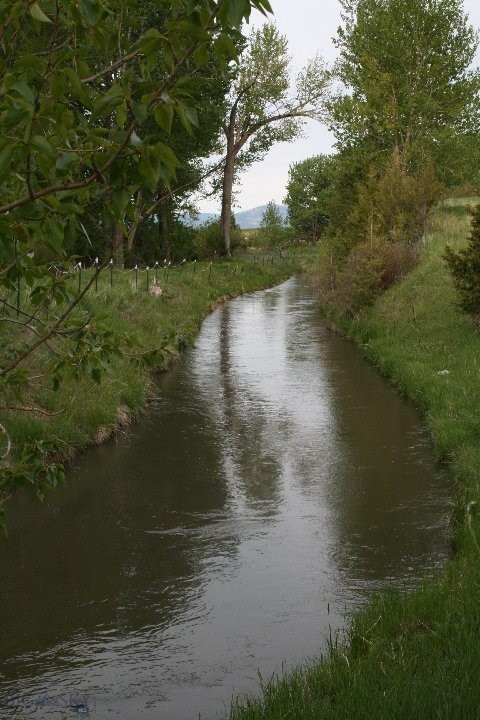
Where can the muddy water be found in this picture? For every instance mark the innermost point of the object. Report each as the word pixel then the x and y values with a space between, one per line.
pixel 276 482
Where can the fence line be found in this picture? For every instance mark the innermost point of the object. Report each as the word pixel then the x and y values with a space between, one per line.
pixel 152 274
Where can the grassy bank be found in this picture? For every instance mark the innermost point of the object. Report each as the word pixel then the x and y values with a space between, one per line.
pixel 416 657
pixel 86 413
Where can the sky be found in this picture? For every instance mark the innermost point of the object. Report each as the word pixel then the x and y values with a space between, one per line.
pixel 309 26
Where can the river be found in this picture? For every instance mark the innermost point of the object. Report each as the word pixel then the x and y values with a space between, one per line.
pixel 274 484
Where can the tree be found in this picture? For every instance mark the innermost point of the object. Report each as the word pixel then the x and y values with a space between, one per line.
pixel 261 109
pixel 308 195
pixel 272 227
pixel 82 84
pixel 405 66
pixel 464 267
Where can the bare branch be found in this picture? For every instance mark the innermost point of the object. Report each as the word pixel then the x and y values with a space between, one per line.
pixel 8 441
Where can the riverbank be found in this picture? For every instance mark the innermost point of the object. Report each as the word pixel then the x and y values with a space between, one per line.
pixel 83 412
pixel 414 657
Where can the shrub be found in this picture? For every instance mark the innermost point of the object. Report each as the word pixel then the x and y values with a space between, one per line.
pixel 208 239
pixel 391 203
pixel 370 269
pixel 464 267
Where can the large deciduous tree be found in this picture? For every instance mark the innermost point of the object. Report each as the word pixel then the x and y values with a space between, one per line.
pixel 263 109
pixel 405 65
pixel 308 195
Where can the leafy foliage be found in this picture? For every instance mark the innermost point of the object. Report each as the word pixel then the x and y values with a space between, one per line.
pixel 309 189
pixel 370 269
pixel 89 99
pixel 405 65
pixel 207 241
pixel 272 228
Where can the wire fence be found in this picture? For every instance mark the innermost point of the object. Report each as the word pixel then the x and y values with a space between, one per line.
pixel 154 279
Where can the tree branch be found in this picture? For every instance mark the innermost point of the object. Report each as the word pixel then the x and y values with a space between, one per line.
pixel 155 100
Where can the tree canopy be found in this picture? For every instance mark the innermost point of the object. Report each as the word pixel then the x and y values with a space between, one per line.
pixel 405 66
pixel 309 189
pixel 263 109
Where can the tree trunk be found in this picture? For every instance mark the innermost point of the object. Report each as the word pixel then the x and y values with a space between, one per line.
pixel 226 214
pixel 163 215
pixel 117 246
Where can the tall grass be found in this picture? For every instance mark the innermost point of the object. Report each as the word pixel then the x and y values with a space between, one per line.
pixel 415 657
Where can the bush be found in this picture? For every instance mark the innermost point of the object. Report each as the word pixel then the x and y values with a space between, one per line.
pixel 370 269
pixel 464 267
pixel 208 240
pixel 391 204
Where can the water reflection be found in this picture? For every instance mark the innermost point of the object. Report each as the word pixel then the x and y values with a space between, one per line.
pixel 275 477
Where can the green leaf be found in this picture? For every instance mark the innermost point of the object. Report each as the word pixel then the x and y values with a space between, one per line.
pixel 58 85
pixel 54 233
pixel 22 88
pixel 140 111
pixel 17 112
pixel 6 158
pixel 224 47
pixel 201 56
pixel 152 41
pixel 42 145
pixel 188 116
pixel 37 13
pixel 105 103
pixel 263 6
pixel 167 156
pixel 79 88
pixel 121 114
pixel 235 11
pixel 191 30
pixel 91 11
pixel 66 162
pixel 164 117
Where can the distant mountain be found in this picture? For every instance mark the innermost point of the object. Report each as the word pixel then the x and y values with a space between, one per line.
pixel 199 219
pixel 246 219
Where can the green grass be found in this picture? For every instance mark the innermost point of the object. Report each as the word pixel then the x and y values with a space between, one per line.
pixel 88 412
pixel 419 656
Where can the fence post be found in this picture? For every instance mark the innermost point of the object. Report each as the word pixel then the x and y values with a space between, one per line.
pixel 147 277
pixel 111 272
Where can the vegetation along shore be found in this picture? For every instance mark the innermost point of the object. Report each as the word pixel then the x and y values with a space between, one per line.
pixel 414 656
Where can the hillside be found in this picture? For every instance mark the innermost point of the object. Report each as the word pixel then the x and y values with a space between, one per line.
pixel 246 219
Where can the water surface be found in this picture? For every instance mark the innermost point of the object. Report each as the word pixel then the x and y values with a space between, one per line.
pixel 275 483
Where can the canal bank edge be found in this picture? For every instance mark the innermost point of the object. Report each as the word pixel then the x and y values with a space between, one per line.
pixel 91 413
pixel 414 656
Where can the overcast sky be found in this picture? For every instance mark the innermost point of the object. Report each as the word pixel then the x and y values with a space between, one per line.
pixel 309 26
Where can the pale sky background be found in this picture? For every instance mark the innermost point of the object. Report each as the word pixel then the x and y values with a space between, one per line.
pixel 309 26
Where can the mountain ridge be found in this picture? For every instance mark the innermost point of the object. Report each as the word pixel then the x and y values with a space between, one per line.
pixel 245 219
